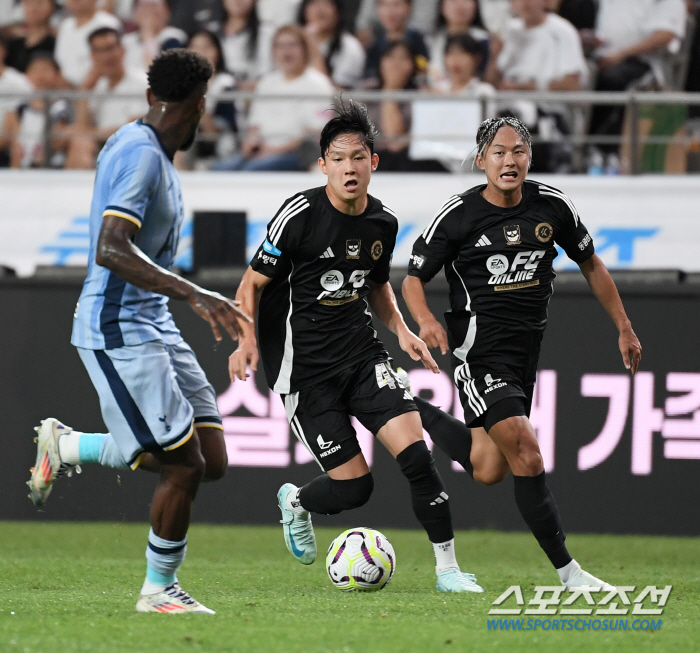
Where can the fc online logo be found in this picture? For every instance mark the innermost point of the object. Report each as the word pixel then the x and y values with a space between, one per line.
pixel 497 264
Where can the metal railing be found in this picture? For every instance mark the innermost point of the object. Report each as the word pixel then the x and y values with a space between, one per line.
pixel 632 139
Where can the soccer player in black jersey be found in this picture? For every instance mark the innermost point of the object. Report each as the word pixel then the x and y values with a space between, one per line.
pixel 496 245
pixel 324 264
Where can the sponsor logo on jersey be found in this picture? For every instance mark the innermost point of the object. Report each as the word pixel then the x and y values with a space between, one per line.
pixel 377 249
pixel 512 234
pixel 384 376
pixel 267 259
pixel 544 232
pixel 322 443
pixel 330 451
pixel 270 248
pixel 584 243
pixel 497 264
pixel 417 260
pixel 332 280
pixel 327 254
pixel 493 384
pixel 520 274
pixel 483 241
pixel 352 248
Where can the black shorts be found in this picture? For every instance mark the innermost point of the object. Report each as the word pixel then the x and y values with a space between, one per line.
pixel 320 415
pixel 494 368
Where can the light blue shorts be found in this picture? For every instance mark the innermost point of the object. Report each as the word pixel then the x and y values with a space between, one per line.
pixel 151 395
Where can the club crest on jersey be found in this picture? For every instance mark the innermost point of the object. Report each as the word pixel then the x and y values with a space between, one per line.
pixel 544 232
pixel 384 376
pixel 352 248
pixel 512 234
pixel 377 249
pixel 332 280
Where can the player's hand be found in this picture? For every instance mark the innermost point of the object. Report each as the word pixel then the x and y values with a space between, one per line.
pixel 630 348
pixel 417 350
pixel 433 334
pixel 218 311
pixel 245 357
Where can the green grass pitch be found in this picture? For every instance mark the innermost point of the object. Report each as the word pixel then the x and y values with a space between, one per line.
pixel 72 588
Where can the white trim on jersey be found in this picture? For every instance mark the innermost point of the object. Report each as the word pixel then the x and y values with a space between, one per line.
pixel 389 211
pixel 553 192
pixel 296 206
pixel 291 402
pixel 464 285
pixel 369 312
pixel 282 384
pixel 451 203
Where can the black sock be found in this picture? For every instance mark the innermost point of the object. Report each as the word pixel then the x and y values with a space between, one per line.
pixel 448 433
pixel 329 497
pixel 537 506
pixel 428 497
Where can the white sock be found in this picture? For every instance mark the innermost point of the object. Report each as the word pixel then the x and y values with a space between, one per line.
pixel 69 448
pixel 292 503
pixel 149 588
pixel 567 569
pixel 445 556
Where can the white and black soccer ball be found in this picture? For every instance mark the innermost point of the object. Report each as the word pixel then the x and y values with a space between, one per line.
pixel 360 559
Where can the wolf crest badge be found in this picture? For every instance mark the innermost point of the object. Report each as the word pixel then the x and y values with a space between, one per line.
pixel 512 234
pixel 352 248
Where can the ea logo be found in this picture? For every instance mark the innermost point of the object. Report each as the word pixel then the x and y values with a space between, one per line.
pixel 497 264
pixel 332 280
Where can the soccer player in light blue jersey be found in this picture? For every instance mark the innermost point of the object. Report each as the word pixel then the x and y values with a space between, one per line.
pixel 155 399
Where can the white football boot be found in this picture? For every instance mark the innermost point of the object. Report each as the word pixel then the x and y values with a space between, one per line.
pixel 48 466
pixel 454 580
pixel 580 578
pixel 298 531
pixel 172 600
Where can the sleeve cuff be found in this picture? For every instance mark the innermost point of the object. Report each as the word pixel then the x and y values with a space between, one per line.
pixel 123 213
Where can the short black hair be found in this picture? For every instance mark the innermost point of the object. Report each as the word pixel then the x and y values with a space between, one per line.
pixel 350 118
pixel 465 42
pixel 104 31
pixel 176 73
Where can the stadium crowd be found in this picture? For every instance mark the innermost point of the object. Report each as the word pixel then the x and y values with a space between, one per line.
pixel 311 48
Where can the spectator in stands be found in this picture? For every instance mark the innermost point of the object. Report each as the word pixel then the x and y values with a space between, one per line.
pixel 10 13
pixel 461 60
pixel 368 27
pixel 580 13
pixel 11 81
pixel 633 38
pixel 333 50
pixel 153 34
pixel 393 17
pixel 398 71
pixel 37 34
pixel 456 17
pixel 193 15
pixel 27 125
pixel 72 51
pixel 218 124
pixel 247 42
pixel 96 120
pixel 278 12
pixel 123 9
pixel 496 16
pixel 279 129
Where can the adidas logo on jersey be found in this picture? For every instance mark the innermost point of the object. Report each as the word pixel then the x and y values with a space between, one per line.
pixel 327 254
pixel 483 241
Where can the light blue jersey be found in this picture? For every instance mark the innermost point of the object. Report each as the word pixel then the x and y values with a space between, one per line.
pixel 136 181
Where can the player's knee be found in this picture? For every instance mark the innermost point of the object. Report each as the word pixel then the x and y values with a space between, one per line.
pixel 215 465
pixel 489 476
pixel 530 461
pixel 188 471
pixel 353 492
pixel 416 462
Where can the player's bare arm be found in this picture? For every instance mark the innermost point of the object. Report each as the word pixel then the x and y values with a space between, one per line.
pixel 383 302
pixel 431 331
pixel 117 252
pixel 246 354
pixel 604 289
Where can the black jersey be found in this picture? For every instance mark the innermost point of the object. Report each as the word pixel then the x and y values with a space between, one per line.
pixel 314 317
pixel 498 261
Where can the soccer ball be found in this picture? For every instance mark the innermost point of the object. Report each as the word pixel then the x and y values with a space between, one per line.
pixel 360 559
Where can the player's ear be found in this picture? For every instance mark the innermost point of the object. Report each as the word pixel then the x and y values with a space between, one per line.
pixel 150 98
pixel 479 162
pixel 375 161
pixel 322 164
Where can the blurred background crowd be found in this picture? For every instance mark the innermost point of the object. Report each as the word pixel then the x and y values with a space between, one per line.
pixel 278 63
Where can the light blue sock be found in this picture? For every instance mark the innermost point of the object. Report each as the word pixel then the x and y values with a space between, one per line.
pixel 163 558
pixel 89 447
